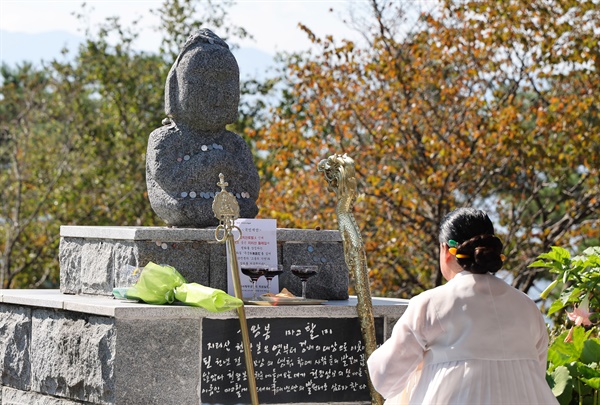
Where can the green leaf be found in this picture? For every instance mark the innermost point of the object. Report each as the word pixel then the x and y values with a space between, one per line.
pixel 579 337
pixel 557 254
pixel 587 371
pixel 562 253
pixel 541 263
pixel 591 351
pixel 560 382
pixel 592 251
pixel 590 375
pixel 556 306
pixel 561 352
pixel 571 294
pixel 592 382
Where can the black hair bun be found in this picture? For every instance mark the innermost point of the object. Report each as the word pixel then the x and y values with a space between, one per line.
pixel 484 254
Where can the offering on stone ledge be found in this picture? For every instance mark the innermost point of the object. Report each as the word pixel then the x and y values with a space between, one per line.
pixel 212 299
pixel 283 294
pixel 162 284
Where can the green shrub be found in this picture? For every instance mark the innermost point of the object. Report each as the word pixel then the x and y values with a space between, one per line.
pixel 574 351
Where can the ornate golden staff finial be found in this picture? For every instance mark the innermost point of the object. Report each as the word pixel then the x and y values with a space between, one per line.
pixel 222 183
pixel 227 210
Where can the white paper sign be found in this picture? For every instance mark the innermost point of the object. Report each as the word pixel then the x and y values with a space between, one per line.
pixel 257 247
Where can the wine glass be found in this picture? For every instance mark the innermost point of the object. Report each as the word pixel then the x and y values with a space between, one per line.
pixel 271 273
pixel 254 273
pixel 304 272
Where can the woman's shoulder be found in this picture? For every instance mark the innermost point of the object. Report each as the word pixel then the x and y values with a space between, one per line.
pixel 471 285
pixel 505 287
pixel 427 297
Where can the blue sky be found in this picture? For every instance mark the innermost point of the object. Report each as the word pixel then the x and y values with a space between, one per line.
pixel 273 23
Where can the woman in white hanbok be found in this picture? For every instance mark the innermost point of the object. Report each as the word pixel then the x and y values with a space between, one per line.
pixel 474 340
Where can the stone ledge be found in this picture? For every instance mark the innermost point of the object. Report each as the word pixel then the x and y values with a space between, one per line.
pixel 186 234
pixel 124 309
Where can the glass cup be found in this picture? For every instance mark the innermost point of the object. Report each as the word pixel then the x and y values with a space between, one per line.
pixel 304 272
pixel 271 273
pixel 254 273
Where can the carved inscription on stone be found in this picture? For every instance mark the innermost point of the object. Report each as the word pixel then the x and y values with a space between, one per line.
pixel 295 360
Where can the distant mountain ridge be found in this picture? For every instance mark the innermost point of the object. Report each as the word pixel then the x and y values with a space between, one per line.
pixel 17 47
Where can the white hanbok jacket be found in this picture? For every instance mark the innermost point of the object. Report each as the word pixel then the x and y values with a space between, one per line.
pixel 474 340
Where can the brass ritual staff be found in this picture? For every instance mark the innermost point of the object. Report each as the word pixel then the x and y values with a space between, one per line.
pixel 340 175
pixel 227 210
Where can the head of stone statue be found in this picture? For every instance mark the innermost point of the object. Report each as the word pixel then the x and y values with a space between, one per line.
pixel 202 88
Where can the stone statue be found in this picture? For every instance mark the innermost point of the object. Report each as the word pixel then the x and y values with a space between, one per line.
pixel 186 154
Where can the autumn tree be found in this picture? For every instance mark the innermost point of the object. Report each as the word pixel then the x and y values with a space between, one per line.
pixel 487 104
pixel 25 188
pixel 74 133
pixel 76 151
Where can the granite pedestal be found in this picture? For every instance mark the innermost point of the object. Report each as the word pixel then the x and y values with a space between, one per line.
pixel 58 349
pixel 81 346
pixel 95 259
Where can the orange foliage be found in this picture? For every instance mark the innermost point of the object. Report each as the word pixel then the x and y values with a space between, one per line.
pixel 493 104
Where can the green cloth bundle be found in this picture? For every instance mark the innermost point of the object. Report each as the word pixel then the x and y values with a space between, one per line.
pixel 208 298
pixel 163 285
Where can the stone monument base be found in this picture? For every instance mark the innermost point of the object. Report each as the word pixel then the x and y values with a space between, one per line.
pixel 94 259
pixel 58 349
pixel 81 346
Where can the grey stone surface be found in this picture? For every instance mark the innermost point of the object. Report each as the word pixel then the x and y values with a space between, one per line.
pixel 308 235
pixel 108 264
pixel 15 343
pixel 186 155
pixel 69 258
pixel 191 259
pixel 331 281
pixel 124 255
pixel 140 354
pixel 94 266
pixel 37 298
pixel 153 233
pixel 73 356
pixel 218 266
pixel 158 362
pixel 10 396
pixel 133 233
pixel 97 267
pixel 129 310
